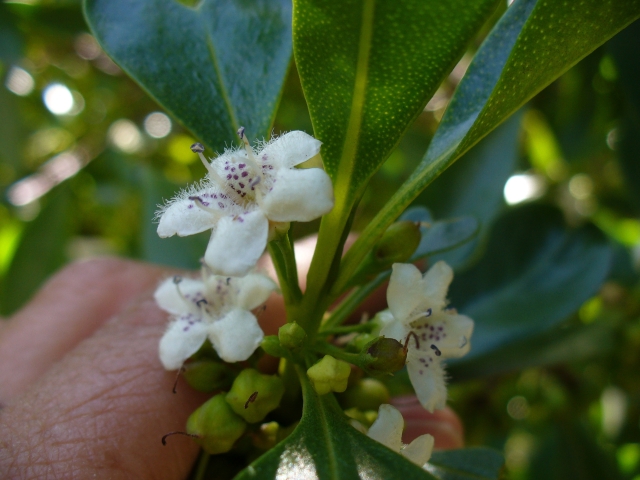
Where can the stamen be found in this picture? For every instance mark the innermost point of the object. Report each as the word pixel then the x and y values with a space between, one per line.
pixel 176 281
pixel 202 300
pixel 435 349
pixel 406 342
pixel 253 163
pixel 228 280
pixel 263 309
pixel 200 204
pixel 251 399
pixel 428 312
pixel 164 438
pixel 175 384
pixel 217 179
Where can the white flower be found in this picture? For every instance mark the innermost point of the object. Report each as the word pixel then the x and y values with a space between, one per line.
pixel 216 307
pixel 246 196
pixel 418 316
pixel 387 429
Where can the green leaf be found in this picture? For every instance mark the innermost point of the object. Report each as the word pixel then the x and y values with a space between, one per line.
pixel 466 464
pixel 324 445
pixel 47 235
pixel 534 274
pixel 179 252
pixel 368 68
pixel 533 44
pixel 214 67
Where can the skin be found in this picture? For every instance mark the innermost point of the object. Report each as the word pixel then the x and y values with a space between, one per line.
pixel 83 393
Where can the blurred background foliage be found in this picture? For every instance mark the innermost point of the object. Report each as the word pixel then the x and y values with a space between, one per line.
pixel 86 155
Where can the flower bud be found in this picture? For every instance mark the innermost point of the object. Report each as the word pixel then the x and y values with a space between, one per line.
pixel 387 355
pixel 271 345
pixel 253 395
pixel 329 375
pixel 366 394
pixel 207 376
pixel 291 335
pixel 216 425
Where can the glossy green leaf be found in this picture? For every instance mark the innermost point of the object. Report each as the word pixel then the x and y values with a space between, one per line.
pixel 179 252
pixel 368 68
pixel 47 235
pixel 214 67
pixel 466 464
pixel 326 446
pixel 534 274
pixel 532 44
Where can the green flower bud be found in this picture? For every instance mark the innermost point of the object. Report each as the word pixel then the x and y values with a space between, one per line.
pixel 360 341
pixel 329 375
pixel 267 436
pixel 398 243
pixel 367 394
pixel 387 355
pixel 271 345
pixel 291 335
pixel 253 395
pixel 207 376
pixel 366 418
pixel 215 425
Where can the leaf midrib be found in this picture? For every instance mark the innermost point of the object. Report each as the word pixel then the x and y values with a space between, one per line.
pixel 352 137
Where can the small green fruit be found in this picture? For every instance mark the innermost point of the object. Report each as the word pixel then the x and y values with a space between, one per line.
pixel 253 395
pixel 216 425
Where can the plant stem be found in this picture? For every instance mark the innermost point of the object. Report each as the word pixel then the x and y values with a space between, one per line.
pixel 328 349
pixel 284 261
pixel 351 302
pixel 201 469
pixel 362 327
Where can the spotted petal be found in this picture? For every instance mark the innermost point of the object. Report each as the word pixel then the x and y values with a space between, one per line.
pixel 253 290
pixel 183 217
pixel 436 284
pixel 171 294
pixel 428 381
pixel 456 341
pixel 404 294
pixel 182 339
pixel 290 149
pixel 387 428
pixel 298 195
pixel 236 336
pixel 237 243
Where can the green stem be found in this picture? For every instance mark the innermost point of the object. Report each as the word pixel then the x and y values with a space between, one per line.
pixel 363 327
pixel 328 349
pixel 351 302
pixel 201 469
pixel 284 261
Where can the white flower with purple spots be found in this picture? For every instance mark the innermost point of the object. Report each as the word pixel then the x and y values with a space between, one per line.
pixel 246 197
pixel 217 308
pixel 432 333
pixel 387 429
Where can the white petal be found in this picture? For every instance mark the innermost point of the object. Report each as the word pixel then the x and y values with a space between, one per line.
pixel 298 195
pixel 182 339
pixel 170 296
pixel 405 291
pixel 387 429
pixel 254 289
pixel 436 284
pixel 237 243
pixel 236 336
pixel 290 149
pixel 395 329
pixel 419 450
pixel 428 381
pixel 455 338
pixel 183 217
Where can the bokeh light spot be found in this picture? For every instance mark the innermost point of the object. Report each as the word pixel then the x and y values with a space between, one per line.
pixel 58 99
pixel 157 125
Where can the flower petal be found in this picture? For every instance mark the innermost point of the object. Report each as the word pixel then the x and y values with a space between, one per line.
pixel 183 217
pixel 182 339
pixel 387 429
pixel 299 195
pixel 253 290
pixel 237 243
pixel 405 291
pixel 454 340
pixel 428 380
pixel 436 284
pixel 236 336
pixel 419 450
pixel 173 296
pixel 290 149
pixel 395 330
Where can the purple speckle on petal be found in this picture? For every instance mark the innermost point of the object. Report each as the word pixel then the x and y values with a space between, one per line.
pixel 190 205
pixel 229 176
pixel 241 185
pixel 235 177
pixel 241 166
pixel 244 174
pixel 221 205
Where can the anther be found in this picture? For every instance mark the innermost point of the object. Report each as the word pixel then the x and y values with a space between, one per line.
pixel 428 312
pixel 228 280
pixel 202 300
pixel 200 204
pixel 406 342
pixel 241 133
pixel 197 148
pixel 164 438
pixel 177 279
pixel 251 399
pixel 435 349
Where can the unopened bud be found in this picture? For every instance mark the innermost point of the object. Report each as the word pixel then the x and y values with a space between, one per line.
pixel 207 376
pixel 329 375
pixel 216 425
pixel 271 345
pixel 253 395
pixel 387 355
pixel 292 335
pixel 366 394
